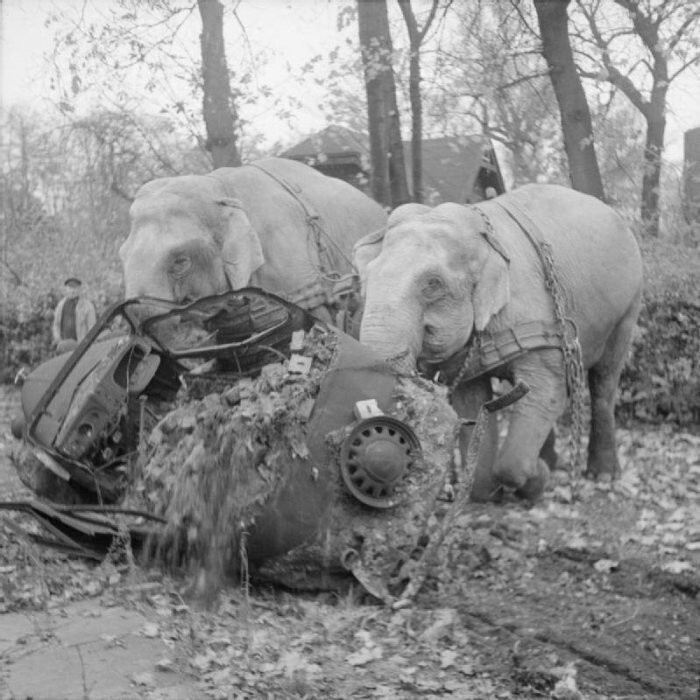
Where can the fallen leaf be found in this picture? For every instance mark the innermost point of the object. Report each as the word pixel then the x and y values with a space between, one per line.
pixel 150 630
pixel 165 664
pixel 605 565
pixel 676 567
pixel 144 678
pixel 448 658
pixel 365 655
pixel 444 618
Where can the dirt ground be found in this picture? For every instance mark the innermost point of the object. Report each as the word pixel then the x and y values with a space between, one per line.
pixel 592 593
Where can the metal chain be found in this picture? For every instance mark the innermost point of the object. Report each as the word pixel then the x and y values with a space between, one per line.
pixel 459 506
pixel 474 349
pixel 573 359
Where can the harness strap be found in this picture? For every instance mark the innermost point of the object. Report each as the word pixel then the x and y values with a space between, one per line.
pixel 566 328
pixel 333 286
pixel 312 216
pixel 294 190
pixel 491 350
pixel 573 363
pixel 524 222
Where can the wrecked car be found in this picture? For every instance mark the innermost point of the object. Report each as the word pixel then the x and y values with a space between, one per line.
pixel 239 433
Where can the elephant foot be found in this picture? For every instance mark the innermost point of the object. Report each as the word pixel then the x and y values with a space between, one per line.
pixel 534 486
pixel 485 487
pixel 603 465
pixel 527 482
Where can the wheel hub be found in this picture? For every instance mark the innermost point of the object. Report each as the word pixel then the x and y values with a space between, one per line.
pixel 375 457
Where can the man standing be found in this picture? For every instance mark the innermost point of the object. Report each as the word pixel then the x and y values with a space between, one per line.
pixel 73 318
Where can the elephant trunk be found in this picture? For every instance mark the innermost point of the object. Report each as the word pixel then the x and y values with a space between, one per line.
pixel 394 331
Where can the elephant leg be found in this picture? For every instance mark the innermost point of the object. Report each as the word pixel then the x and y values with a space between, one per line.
pixel 603 378
pixel 518 465
pixel 467 400
pixel 548 452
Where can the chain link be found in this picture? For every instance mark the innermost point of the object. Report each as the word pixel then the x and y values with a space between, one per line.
pixel 573 359
pixel 458 507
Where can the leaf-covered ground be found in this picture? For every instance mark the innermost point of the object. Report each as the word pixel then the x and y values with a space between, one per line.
pixel 592 593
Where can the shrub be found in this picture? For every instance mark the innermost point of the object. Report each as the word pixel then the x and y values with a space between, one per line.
pixel 661 380
pixel 25 336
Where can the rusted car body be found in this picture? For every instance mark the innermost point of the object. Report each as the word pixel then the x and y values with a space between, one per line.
pixel 87 413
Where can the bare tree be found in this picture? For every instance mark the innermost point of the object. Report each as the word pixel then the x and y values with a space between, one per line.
pixel 491 75
pixel 218 106
pixel 146 45
pixel 640 52
pixel 389 185
pixel 575 116
pixel 416 36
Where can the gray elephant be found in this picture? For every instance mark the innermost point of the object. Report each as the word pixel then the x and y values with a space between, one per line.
pixel 275 223
pixel 464 290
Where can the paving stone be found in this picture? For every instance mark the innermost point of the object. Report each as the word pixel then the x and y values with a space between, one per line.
pixel 86 652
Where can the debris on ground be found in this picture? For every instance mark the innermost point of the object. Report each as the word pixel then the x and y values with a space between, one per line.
pixel 220 469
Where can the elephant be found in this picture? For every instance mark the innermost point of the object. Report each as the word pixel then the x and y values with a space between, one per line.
pixel 441 284
pixel 274 223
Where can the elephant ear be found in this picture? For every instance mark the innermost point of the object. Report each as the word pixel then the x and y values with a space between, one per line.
pixel 492 290
pixel 366 250
pixel 241 250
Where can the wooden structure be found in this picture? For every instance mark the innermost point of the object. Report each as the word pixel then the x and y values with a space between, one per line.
pixel 455 168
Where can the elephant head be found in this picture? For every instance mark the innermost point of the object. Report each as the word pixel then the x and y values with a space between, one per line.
pixel 435 277
pixel 188 240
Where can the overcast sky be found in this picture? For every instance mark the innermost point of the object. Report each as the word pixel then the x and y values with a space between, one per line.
pixel 292 30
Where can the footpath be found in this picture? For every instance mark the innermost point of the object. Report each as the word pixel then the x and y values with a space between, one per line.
pixel 87 652
pixel 84 650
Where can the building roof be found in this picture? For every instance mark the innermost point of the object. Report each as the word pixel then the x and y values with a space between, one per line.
pixel 451 165
pixel 333 142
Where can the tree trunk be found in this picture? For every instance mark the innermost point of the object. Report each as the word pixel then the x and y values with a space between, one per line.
pixel 573 108
pixel 655 115
pixel 651 180
pixel 416 37
pixel 218 108
pixel 416 126
pixel 691 176
pixel 389 185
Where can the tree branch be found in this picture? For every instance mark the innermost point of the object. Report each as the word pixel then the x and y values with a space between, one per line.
pixel 15 276
pixel 688 64
pixel 416 35
pixel 680 32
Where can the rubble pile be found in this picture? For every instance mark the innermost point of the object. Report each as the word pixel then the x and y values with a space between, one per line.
pixel 225 471
pixel 213 461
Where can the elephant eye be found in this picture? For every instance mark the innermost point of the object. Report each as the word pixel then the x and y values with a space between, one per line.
pixel 433 288
pixel 180 265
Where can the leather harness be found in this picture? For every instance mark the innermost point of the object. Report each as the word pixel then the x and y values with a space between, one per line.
pixel 486 351
pixel 332 286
